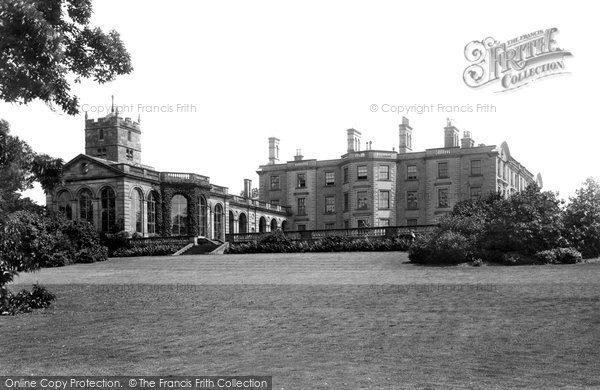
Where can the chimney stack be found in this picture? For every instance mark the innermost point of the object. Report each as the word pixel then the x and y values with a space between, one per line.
pixel 247 188
pixel 298 156
pixel 405 132
pixel 353 140
pixel 273 150
pixel 450 135
pixel 467 141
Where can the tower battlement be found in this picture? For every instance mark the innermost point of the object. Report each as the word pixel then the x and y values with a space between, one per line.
pixel 114 138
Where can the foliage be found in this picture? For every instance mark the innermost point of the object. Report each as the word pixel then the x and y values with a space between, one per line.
pixel 277 242
pixel 146 250
pixel 26 301
pixel 559 256
pixel 20 167
pixel 114 241
pixel 527 222
pixel 442 247
pixel 509 231
pixel 582 219
pixel 31 240
pixel 47 42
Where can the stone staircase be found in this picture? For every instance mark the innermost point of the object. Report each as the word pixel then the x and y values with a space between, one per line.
pixel 204 246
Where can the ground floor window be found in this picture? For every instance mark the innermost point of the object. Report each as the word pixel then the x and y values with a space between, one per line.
pixel 203 218
pixel 219 222
pixel 108 206
pixel 152 199
pixel 179 215
pixel 63 201
pixel 137 207
pixel 86 210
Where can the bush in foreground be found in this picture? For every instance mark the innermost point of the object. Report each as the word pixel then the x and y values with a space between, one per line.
pixel 559 256
pixel 443 247
pixel 26 301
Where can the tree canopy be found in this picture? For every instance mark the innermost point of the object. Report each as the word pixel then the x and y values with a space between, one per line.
pixel 45 45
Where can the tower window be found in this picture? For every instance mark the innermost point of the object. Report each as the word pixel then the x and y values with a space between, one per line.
pixel 129 154
pixel 101 134
pixel 129 136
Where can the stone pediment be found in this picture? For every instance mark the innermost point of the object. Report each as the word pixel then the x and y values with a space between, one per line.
pixel 85 167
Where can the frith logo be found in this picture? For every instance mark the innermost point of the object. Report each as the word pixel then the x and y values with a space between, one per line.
pixel 515 63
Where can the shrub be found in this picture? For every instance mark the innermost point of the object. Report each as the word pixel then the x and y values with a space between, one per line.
pixel 278 243
pixel 559 256
pixel 147 250
pixel 546 257
pixel 446 247
pixel 568 256
pixel 26 301
pixel 114 241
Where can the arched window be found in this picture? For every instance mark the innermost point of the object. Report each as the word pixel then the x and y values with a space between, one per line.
pixel 151 217
pixel 179 215
pixel 137 211
pixel 107 205
pixel 243 223
pixel 63 201
pixel 86 210
pixel 284 225
pixel 218 222
pixel 231 223
pixel 273 225
pixel 262 225
pixel 202 218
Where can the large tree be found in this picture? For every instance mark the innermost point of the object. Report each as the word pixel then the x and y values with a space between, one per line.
pixel 20 167
pixel 582 218
pixel 45 45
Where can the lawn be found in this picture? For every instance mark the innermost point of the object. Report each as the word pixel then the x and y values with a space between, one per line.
pixel 339 321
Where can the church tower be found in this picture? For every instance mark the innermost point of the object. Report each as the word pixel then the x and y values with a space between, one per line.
pixel 114 138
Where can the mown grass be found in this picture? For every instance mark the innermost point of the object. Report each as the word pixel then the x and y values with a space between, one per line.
pixel 345 321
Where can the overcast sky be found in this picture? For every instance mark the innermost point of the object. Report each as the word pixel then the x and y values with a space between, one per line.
pixel 307 71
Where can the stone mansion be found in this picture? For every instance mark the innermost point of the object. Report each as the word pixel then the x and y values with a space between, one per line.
pixel 109 187
pixel 373 188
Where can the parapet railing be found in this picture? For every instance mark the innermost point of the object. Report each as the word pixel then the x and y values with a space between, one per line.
pixel 178 177
pixel 383 231
pixel 257 203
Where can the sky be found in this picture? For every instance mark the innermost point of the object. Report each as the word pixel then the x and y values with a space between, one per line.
pixel 213 80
